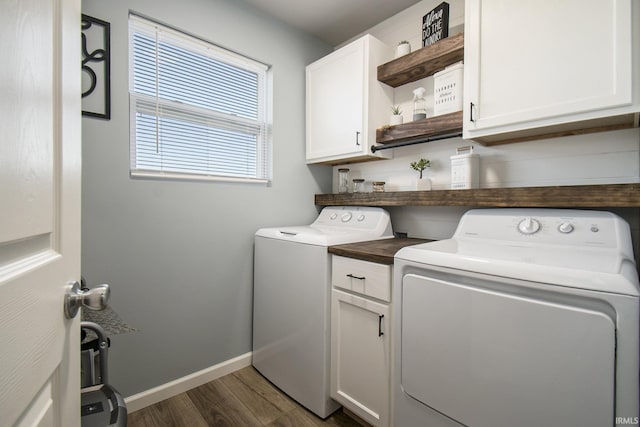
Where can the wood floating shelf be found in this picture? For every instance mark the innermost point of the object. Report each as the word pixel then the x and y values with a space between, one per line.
pixel 432 126
pixel 423 62
pixel 575 196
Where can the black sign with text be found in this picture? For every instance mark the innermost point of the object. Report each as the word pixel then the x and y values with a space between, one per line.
pixel 435 25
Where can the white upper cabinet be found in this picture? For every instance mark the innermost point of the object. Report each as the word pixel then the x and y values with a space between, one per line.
pixel 549 67
pixel 346 103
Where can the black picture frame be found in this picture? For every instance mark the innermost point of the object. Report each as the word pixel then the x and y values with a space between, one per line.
pixel 96 68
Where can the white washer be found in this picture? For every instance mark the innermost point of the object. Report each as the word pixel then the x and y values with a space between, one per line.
pixel 292 294
pixel 525 317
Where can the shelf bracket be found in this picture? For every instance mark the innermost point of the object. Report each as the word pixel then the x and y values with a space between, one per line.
pixel 415 141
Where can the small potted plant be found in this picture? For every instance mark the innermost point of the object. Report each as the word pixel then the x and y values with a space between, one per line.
pixel 396 115
pixel 420 166
pixel 403 48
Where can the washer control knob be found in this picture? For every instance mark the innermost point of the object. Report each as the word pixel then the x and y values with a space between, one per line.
pixel 333 216
pixel 360 217
pixel 565 228
pixel 528 226
pixel 346 217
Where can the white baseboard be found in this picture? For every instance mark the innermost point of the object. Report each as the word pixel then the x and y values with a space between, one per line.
pixel 180 385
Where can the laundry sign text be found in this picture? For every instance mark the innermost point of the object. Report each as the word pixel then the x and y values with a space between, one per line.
pixel 435 24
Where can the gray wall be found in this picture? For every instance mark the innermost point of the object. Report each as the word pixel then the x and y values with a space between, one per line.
pixel 179 254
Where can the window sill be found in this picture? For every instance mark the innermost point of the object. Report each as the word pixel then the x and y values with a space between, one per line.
pixel 194 177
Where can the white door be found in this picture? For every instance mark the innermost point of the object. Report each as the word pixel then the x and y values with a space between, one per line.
pixel 39 211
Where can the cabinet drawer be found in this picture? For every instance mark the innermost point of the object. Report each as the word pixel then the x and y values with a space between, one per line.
pixel 364 277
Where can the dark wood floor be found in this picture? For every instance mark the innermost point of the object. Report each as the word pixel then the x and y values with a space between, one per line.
pixel 243 399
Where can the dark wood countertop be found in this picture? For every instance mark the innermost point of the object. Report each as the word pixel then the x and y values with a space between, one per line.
pixel 380 251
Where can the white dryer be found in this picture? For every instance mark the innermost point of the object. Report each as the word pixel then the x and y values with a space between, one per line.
pixel 292 295
pixel 525 317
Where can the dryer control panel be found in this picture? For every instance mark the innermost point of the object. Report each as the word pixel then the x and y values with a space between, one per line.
pixel 546 227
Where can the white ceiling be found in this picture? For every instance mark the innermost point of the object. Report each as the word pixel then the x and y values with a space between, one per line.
pixel 333 21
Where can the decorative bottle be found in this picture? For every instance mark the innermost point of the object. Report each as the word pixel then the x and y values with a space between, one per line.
pixel 419 104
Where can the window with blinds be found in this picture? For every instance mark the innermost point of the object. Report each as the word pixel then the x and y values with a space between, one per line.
pixel 197 110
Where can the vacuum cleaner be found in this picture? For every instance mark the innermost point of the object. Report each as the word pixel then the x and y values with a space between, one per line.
pixel 101 404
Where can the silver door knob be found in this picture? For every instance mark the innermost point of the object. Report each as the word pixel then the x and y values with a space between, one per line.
pixel 94 299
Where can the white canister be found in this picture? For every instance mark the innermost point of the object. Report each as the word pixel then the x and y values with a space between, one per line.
pixel 447 90
pixel 465 169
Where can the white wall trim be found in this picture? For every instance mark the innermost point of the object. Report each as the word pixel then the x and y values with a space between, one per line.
pixel 180 385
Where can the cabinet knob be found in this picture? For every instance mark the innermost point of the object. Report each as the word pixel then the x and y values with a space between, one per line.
pixel 357 138
pixel 471 107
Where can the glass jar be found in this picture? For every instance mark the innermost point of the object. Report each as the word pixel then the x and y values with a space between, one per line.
pixel 419 104
pixel 358 185
pixel 378 186
pixel 343 180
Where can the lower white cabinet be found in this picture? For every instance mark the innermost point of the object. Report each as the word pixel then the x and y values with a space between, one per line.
pixel 360 341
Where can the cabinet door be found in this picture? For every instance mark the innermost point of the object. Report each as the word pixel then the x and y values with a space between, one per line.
pixel 360 356
pixel 543 63
pixel 346 104
pixel 335 94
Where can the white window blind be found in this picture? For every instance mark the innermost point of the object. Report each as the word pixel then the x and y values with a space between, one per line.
pixel 197 110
